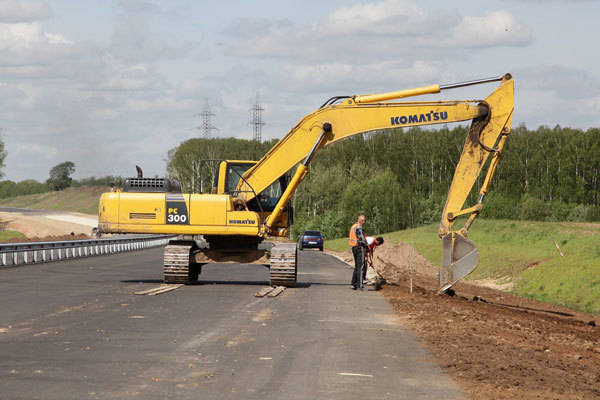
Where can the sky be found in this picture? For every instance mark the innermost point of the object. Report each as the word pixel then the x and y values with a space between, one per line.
pixel 114 83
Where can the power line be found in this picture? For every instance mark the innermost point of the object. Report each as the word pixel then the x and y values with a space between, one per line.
pixel 206 127
pixel 256 120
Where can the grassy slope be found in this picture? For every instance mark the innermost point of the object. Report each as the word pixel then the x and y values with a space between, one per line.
pixel 523 252
pixel 6 235
pixel 82 199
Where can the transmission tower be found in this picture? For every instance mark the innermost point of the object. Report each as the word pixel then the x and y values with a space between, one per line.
pixel 206 127
pixel 256 120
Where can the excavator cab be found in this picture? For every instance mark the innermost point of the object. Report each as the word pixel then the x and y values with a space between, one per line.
pixel 228 174
pixel 227 181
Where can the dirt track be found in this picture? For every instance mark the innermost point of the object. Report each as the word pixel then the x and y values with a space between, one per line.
pixel 497 346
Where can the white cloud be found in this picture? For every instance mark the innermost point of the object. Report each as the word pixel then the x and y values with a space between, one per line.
pixel 25 43
pixel 12 11
pixel 384 30
pixel 138 36
pixel 570 83
pixel 378 18
pixel 553 94
pixel 328 77
pixel 594 104
pixel 498 28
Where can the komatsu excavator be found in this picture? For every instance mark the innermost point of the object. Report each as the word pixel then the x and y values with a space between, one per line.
pixel 247 216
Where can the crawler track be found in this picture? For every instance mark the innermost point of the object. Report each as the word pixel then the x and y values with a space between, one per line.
pixel 283 269
pixel 177 267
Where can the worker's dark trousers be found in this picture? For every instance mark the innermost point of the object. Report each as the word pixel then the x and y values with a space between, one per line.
pixel 359 260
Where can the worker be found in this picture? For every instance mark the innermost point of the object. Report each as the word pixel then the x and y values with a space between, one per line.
pixel 356 239
pixel 372 243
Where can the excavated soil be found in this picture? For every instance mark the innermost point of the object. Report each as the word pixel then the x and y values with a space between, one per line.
pixel 495 345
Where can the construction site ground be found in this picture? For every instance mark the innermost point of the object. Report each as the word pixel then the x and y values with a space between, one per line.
pixel 494 344
pixel 82 329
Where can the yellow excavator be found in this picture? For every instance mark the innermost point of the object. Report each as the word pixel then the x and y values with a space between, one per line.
pixel 247 216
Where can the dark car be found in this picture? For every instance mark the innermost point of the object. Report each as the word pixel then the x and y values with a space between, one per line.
pixel 311 239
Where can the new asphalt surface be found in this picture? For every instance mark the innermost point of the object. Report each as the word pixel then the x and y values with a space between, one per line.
pixel 76 330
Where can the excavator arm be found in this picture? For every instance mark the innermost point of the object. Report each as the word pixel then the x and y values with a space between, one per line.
pixel 343 117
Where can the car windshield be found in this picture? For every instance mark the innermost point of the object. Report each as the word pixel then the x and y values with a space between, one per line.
pixel 312 233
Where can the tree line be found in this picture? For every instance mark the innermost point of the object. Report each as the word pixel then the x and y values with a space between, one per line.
pixel 400 178
pixel 59 178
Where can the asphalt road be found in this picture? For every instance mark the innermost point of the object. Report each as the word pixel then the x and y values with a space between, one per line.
pixel 75 330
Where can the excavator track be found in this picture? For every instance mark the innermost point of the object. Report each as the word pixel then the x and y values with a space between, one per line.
pixel 283 268
pixel 177 267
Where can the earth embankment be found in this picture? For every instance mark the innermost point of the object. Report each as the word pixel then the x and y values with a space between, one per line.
pixel 496 345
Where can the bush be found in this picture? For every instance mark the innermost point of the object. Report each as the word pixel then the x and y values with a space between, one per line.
pixel 534 209
pixel 559 211
pixel 497 206
pixel 593 214
pixel 578 213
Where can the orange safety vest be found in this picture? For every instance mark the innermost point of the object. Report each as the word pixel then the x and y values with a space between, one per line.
pixel 352 239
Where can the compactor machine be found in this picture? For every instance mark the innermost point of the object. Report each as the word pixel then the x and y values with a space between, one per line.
pixel 247 216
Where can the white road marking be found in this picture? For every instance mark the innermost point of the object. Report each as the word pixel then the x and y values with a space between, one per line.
pixel 353 374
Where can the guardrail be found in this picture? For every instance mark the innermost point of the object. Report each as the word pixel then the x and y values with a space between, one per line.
pixel 40 252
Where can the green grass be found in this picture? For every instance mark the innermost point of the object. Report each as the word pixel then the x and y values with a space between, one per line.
pixel 6 235
pixel 81 199
pixel 523 252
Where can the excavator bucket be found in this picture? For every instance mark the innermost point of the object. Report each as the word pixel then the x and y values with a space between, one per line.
pixel 459 259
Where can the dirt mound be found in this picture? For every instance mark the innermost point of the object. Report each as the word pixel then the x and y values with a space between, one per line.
pixel 494 344
pixel 395 262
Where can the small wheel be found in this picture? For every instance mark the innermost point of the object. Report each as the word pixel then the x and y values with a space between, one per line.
pixel 320 249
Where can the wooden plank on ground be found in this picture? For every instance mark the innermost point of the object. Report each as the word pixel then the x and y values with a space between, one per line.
pixel 277 291
pixel 264 291
pixel 158 290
